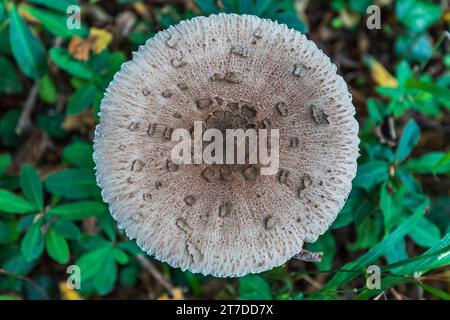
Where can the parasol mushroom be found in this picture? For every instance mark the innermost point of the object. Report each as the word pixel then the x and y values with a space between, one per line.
pixel 229 71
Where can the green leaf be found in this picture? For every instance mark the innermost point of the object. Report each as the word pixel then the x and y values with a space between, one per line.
pixel 11 203
pixel 409 139
pixel 397 252
pixel 60 5
pixel 120 256
pixel 370 174
pixel 291 20
pixel 67 229
pixel 425 233
pixel 81 99
pixel 341 278
pixel 73 184
pixel 360 6
pixel 254 287
pixel 417 15
pixel 430 163
pixel 5 232
pixel 79 153
pixel 415 48
pixel 440 92
pixel 434 291
pixel 207 6
pixel 92 262
pixel 27 50
pixel 5 160
pixel 47 90
pixel 57 247
pixel 367 234
pixel 391 206
pixel 64 60
pixel 9 81
pixel 55 23
pixel 104 281
pixel 31 185
pixel 33 243
pixel 327 245
pixel 79 210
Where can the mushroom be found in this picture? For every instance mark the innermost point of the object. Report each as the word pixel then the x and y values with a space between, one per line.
pixel 229 71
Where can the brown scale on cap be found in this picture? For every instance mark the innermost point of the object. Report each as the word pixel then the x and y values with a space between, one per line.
pixel 226 219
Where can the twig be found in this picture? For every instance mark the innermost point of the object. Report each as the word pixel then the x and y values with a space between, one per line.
pixel 24 122
pixel 23 278
pixel 148 266
pixel 316 284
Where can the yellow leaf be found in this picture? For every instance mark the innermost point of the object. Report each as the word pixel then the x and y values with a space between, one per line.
pixel 140 8
pixel 177 294
pixel 67 293
pixel 380 75
pixel 446 17
pixel 101 39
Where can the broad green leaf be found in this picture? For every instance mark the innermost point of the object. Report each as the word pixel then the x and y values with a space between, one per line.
pixel 73 184
pixel 79 154
pixel 81 99
pixel 366 235
pixel 254 287
pixel 59 5
pixel 327 245
pixel 120 256
pixel 417 15
pixel 430 163
pixel 425 233
pixel 27 50
pixel 47 90
pixel 93 262
pixel 5 232
pixel 11 203
pixel 360 6
pixel 57 247
pixel 5 160
pixel 55 23
pixel 79 210
pixel 391 206
pixel 408 180
pixel 409 139
pixel 33 243
pixel 440 92
pixel 9 81
pixel 106 279
pixel 396 252
pixel 67 229
pixel 31 185
pixel 370 174
pixel 414 48
pixel 64 60
pixel 207 6
pixel 291 20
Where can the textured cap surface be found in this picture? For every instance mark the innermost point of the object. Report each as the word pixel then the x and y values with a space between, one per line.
pixel 233 71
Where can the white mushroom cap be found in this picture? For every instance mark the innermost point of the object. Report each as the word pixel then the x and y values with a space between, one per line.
pixel 215 219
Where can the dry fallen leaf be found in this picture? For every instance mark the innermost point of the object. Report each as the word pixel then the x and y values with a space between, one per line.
pixel 67 293
pixel 79 48
pixel 380 75
pixel 98 40
pixel 177 294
